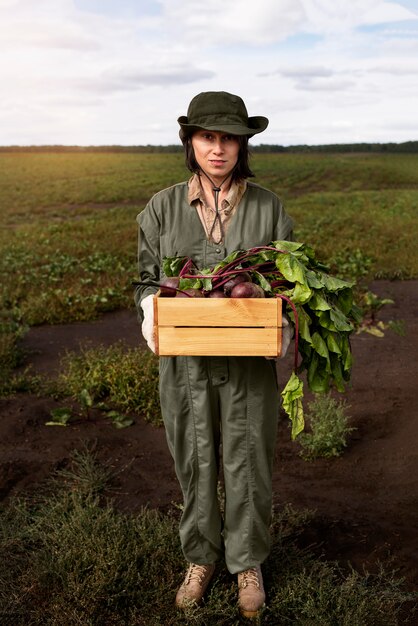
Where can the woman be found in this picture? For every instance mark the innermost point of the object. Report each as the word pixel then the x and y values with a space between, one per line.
pixel 213 403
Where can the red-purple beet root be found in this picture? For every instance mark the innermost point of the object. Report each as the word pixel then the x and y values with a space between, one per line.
pixel 168 287
pixel 247 290
pixel 216 293
pixel 235 280
pixel 190 293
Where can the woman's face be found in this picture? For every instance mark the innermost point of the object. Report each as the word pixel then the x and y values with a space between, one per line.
pixel 216 152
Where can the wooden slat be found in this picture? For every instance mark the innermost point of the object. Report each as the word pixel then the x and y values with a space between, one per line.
pixel 178 341
pixel 156 333
pixel 279 326
pixel 219 312
pixel 218 327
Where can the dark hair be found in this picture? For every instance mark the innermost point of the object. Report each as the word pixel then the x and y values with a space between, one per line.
pixel 242 168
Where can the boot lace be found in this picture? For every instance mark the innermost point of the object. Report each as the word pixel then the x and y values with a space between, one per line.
pixel 249 577
pixel 196 573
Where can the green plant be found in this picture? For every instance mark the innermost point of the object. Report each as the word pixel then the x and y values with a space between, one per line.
pixel 68 556
pixel 398 327
pixel 84 475
pixel 371 304
pixel 12 330
pixel 11 357
pixel 8 356
pixel 354 264
pixel 321 309
pixel 119 420
pixel 60 417
pixel 63 217
pixel 125 378
pixel 63 415
pixel 328 428
pixel 321 594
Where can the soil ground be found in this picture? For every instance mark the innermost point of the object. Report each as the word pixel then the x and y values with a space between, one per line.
pixel 364 503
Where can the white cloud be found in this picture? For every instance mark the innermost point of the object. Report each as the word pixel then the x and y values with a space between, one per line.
pixel 388 12
pixel 332 84
pixel 236 21
pixel 267 21
pixel 127 78
pixel 307 72
pixel 74 72
pixel 336 16
pixel 397 68
pixel 314 78
pixel 47 34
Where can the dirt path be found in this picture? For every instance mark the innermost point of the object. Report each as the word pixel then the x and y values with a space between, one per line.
pixel 365 502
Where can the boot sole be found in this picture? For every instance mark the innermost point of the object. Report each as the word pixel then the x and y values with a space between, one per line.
pixel 251 614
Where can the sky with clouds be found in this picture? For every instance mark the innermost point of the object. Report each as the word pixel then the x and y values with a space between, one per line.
pixel 100 72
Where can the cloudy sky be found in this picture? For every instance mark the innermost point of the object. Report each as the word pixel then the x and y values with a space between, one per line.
pixel 97 72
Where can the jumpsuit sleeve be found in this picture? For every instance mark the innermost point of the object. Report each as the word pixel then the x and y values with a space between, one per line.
pixel 284 225
pixel 149 260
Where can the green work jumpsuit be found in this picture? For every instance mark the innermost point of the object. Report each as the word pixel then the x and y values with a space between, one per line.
pixel 213 404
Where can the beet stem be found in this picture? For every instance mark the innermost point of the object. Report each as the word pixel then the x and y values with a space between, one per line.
pixel 288 300
pixel 152 283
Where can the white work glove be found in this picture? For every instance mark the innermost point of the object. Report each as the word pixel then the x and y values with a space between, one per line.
pixel 147 327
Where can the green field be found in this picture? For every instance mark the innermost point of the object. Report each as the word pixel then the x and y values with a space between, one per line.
pixel 68 232
pixel 68 252
pixel 68 237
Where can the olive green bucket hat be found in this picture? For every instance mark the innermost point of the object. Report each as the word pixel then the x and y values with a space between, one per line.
pixel 221 111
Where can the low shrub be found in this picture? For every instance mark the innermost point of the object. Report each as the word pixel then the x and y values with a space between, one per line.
pixel 328 428
pixel 68 557
pixel 11 357
pixel 125 378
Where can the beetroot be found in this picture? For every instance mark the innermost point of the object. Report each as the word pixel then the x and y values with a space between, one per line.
pixel 235 280
pixel 190 293
pixel 169 286
pixel 247 290
pixel 216 293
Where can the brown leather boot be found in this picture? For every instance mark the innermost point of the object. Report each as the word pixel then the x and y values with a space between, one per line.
pixel 194 585
pixel 251 596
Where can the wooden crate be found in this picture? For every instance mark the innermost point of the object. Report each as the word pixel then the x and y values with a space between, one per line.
pixel 218 326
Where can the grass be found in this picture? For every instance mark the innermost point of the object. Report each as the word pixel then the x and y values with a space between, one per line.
pixel 339 223
pixel 69 558
pixel 68 236
pixel 328 428
pixel 68 252
pixel 72 271
pixel 45 187
pixel 125 378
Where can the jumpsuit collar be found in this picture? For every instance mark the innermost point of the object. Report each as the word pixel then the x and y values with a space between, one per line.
pixel 235 193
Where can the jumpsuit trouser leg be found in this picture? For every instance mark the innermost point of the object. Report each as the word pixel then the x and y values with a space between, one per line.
pixel 249 418
pixel 202 399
